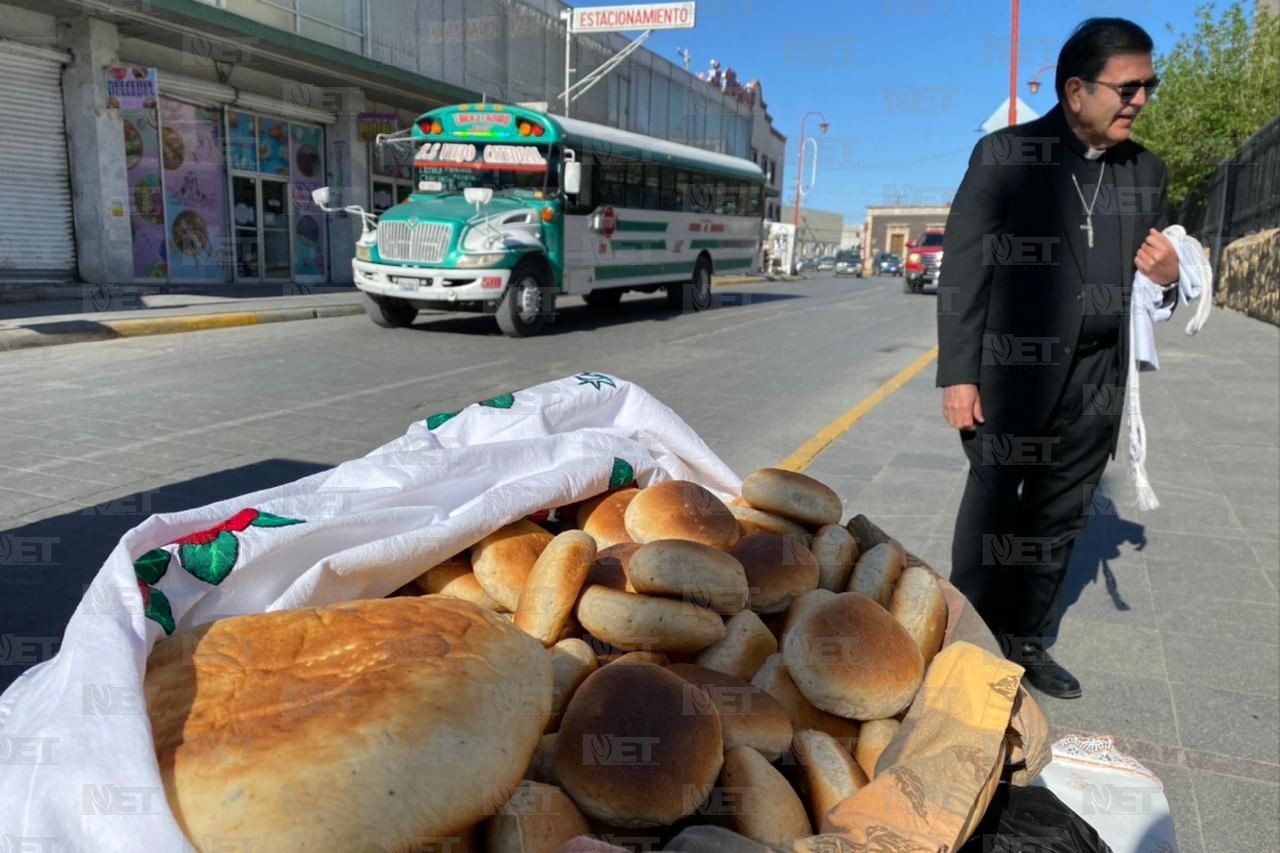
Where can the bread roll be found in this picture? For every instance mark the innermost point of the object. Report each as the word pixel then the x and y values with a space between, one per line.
pixel 801 606
pixel 874 736
pixel 754 520
pixel 455 581
pixel 748 715
pixel 553 585
pixel 630 755
pixel 836 551
pixel 828 773
pixel 603 517
pixel 876 574
pixel 611 565
pixel 638 657
pixel 796 496
pixel 503 559
pixel 537 819
pixel 774 679
pixel 778 570
pixel 678 509
pixel 644 622
pixel 849 657
pixel 919 606
pixel 746 645
pixel 571 662
pixel 320 718
pixel 766 809
pixel 542 765
pixel 692 572
pixel 469 840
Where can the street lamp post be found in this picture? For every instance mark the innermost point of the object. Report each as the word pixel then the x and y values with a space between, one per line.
pixel 1034 83
pixel 1013 69
pixel 795 238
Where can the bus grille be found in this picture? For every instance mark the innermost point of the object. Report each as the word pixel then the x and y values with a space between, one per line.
pixel 422 243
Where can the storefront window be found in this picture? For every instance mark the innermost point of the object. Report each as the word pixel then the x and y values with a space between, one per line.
pixel 243 134
pixel 146 198
pixel 273 146
pixel 309 220
pixel 194 191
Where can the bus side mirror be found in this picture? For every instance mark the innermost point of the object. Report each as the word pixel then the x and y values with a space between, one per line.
pixel 911 244
pixel 320 195
pixel 572 177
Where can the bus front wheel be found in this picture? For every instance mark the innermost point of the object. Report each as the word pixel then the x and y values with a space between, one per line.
pixel 695 294
pixel 389 312
pixel 528 304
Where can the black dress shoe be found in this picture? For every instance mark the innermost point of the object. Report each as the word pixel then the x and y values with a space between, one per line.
pixel 1044 673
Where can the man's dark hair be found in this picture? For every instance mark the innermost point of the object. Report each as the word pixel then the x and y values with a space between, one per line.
pixel 1094 42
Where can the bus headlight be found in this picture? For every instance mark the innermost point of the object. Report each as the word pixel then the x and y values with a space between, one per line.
pixel 479 259
pixel 364 252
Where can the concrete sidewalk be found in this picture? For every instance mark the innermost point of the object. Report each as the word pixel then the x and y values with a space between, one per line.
pixel 1172 620
pixel 103 314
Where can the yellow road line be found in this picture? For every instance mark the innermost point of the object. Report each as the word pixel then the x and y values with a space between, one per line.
pixel 803 457
pixel 170 325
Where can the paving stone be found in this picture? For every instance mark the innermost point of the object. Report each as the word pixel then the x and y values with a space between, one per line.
pixel 1237 815
pixel 1103 646
pixel 1211 719
pixel 1241 621
pixel 1222 548
pixel 1180 792
pixel 1252 668
pixel 1233 581
pixel 1113 704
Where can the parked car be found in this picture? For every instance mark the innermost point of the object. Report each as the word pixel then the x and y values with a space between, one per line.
pixel 808 264
pixel 886 263
pixel 826 264
pixel 924 262
pixel 849 263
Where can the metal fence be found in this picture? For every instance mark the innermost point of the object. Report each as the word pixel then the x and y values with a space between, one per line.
pixel 1242 196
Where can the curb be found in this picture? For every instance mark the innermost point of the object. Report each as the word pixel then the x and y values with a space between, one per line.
pixel 739 279
pixel 79 331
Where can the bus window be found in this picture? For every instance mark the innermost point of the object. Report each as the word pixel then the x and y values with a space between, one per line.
pixel 684 191
pixel 652 191
pixel 757 192
pixel 613 187
pixel 667 199
pixel 635 185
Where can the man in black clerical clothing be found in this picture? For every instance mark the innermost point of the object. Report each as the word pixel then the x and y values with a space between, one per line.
pixel 1042 241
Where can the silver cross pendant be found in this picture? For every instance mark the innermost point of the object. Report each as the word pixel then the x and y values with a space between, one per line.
pixel 1088 227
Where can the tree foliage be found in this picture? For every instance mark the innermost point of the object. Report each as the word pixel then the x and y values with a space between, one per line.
pixel 1219 84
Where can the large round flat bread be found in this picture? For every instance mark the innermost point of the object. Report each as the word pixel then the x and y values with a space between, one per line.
pixel 679 509
pixel 359 726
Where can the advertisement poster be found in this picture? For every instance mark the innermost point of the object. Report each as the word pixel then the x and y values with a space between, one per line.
pixel 146 200
pixel 309 220
pixel 195 191
pixel 244 141
pixel 369 125
pixel 131 88
pixel 273 146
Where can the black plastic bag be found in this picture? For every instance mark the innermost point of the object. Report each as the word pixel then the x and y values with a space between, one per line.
pixel 1032 820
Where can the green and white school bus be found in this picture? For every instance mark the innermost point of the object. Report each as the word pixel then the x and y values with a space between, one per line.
pixel 513 207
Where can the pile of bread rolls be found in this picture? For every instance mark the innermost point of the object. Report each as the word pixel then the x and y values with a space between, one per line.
pixel 738 665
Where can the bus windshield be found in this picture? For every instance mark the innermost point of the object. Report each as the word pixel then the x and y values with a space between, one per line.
pixel 449 167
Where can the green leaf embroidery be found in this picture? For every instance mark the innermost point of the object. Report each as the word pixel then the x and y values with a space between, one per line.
pixel 502 401
pixel 151 566
pixel 159 611
pixel 266 519
pixel 211 563
pixel 595 380
pixel 622 473
pixel 439 418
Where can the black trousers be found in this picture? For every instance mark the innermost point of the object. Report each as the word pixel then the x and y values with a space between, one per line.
pixel 1028 498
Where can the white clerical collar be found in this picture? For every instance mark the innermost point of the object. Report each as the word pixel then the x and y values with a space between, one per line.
pixel 1092 153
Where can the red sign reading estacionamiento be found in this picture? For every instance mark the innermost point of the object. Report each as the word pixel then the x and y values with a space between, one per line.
pixel 655 16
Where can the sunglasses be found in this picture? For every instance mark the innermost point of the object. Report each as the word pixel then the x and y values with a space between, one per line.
pixel 1129 91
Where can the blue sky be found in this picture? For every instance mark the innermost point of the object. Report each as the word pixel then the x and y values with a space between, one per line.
pixel 903 83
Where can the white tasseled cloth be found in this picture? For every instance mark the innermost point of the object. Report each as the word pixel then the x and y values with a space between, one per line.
pixel 1194 282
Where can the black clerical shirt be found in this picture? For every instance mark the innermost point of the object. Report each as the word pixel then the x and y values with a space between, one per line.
pixel 1104 267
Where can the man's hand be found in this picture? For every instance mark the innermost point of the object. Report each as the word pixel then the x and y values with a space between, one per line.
pixel 1157 259
pixel 961 406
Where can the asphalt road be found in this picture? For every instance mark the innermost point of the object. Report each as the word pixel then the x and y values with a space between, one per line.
pixel 98 436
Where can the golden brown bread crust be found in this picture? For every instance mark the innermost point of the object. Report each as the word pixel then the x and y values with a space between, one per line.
pixel 503 559
pixel 748 715
pixel 571 662
pixel 632 751
pixel 455 579
pixel 679 509
pixel 692 572
pixel 637 622
pixel 836 551
pixel 920 607
pixel 755 520
pixel 877 573
pixel 325 728
pixel 766 807
pixel 537 819
pixel 828 773
pixel 873 738
pixel 551 590
pixel 746 645
pixel 778 569
pixel 850 657
pixel 603 517
pixel 774 679
pixel 792 495
pixel 611 565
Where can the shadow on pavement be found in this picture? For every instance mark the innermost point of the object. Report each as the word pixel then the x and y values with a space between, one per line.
pixel 48 564
pixel 1098 545
pixel 578 317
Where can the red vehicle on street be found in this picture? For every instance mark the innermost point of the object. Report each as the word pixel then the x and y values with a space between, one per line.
pixel 924 262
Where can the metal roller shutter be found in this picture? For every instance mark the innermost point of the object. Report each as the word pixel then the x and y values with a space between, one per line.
pixel 36 239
